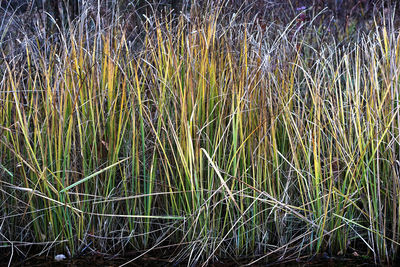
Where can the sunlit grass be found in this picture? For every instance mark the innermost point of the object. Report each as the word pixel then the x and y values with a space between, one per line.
pixel 217 141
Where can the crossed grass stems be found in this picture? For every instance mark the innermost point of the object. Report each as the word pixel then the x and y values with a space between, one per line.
pixel 213 141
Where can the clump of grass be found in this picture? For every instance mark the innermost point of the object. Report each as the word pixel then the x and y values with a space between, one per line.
pixel 212 140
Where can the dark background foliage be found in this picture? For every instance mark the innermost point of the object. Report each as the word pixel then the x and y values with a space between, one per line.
pixel 341 9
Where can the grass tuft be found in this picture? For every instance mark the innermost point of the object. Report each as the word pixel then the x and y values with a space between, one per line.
pixel 212 136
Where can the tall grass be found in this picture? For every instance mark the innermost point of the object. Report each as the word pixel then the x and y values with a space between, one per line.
pixel 213 139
